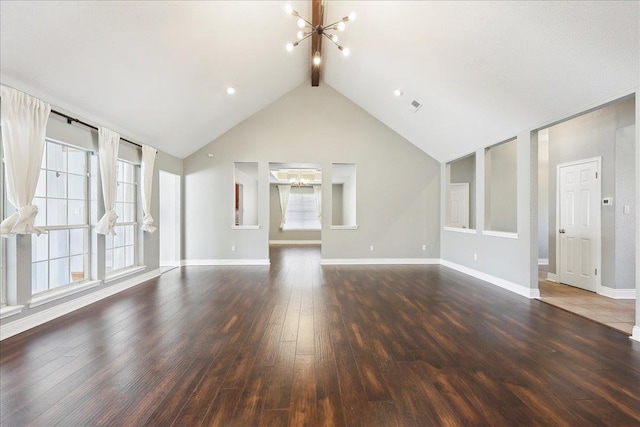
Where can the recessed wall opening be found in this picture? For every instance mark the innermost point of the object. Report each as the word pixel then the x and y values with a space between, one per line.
pixel 460 212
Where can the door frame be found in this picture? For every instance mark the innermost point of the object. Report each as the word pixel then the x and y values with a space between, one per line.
pixel 597 222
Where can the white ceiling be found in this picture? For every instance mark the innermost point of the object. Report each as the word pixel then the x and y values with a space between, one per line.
pixel 157 71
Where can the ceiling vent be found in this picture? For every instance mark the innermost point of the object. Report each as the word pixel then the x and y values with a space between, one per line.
pixel 415 106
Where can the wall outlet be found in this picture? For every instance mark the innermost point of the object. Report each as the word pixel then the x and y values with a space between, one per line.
pixel 371 248
pixel 233 248
pixel 626 210
pixel 424 247
pixel 475 257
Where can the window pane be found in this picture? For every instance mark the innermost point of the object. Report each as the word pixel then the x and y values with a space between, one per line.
pixel 76 212
pixel 41 218
pixel 129 212
pixel 43 164
pixel 77 239
pixel 59 272
pixel 119 192
pixel 129 172
pixel 77 268
pixel 41 189
pixel 129 234
pixel 77 160
pixel 56 184
pixel 56 157
pixel 39 247
pixel 129 193
pixel 119 208
pixel 118 239
pixel 93 210
pixel 58 243
pixel 118 258
pixel 56 212
pixel 120 171
pixel 108 241
pixel 108 265
pixel 76 187
pixel 129 256
pixel 39 280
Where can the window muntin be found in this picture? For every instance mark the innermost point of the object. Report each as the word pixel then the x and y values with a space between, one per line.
pixel 302 213
pixel 120 251
pixel 61 256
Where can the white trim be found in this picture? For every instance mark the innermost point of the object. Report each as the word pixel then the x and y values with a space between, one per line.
pixel 379 261
pixel 232 261
pixel 343 227
pixel 245 227
pixel 461 230
pixel 543 261
pixel 597 224
pixel 552 277
pixel 170 263
pixel 56 294
pixel 10 310
pixel 300 229
pixel 505 234
pixel 124 273
pixel 635 335
pixel 295 242
pixel 617 293
pixel 41 317
pixel 505 284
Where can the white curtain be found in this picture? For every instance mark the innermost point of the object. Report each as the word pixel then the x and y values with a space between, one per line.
pixel 284 191
pixel 317 191
pixel 108 143
pixel 24 125
pixel 148 159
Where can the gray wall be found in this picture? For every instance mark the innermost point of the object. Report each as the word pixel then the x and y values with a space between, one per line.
pixel 501 181
pixel 625 267
pixel 274 221
pixel 337 196
pixel 590 135
pixel 461 171
pixel 20 246
pixel 397 219
pixel 543 198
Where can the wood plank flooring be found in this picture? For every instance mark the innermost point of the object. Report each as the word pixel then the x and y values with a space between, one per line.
pixel 302 345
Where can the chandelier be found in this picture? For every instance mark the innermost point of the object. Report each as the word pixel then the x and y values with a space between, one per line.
pixel 307 29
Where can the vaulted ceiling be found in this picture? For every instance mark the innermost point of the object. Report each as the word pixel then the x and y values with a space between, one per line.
pixel 157 72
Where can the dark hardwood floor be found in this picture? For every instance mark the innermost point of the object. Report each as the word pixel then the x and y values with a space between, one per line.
pixel 299 344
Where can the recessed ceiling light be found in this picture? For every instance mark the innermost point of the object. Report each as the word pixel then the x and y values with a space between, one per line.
pixel 231 90
pixel 397 92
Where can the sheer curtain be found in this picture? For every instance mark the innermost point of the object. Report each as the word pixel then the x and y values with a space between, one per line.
pixel 317 191
pixel 108 143
pixel 24 124
pixel 148 159
pixel 284 191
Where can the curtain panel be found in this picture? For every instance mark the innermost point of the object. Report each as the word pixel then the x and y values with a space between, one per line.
pixel 24 124
pixel 284 191
pixel 148 160
pixel 317 191
pixel 108 143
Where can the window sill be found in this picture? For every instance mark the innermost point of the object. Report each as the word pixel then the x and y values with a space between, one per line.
pixel 10 310
pixel 65 291
pixel 124 273
pixel 505 234
pixel 344 227
pixel 461 230
pixel 245 227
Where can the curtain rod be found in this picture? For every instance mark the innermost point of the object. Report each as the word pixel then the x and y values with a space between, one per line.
pixel 70 120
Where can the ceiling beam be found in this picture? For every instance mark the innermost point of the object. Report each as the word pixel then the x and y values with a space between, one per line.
pixel 316 39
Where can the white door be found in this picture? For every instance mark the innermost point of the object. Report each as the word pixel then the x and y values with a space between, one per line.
pixel 579 223
pixel 459 205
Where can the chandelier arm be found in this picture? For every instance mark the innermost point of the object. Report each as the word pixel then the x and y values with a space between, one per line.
pixel 308 23
pixel 328 27
pixel 303 39
pixel 331 40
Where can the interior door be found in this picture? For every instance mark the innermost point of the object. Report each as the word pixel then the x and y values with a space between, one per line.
pixel 579 225
pixel 459 205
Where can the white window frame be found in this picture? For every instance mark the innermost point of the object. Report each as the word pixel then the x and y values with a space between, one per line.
pixel 85 226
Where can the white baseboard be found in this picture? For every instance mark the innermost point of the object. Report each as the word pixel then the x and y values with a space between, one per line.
pixel 171 263
pixel 379 261
pixel 543 261
pixel 36 319
pixel 552 277
pixel 505 284
pixel 203 262
pixel 617 293
pixel 295 242
pixel 635 334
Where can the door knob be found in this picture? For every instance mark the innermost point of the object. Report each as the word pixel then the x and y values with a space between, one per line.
pixel 561 231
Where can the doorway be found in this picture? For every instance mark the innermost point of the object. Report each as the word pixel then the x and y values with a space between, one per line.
pixel 578 223
pixel 170 233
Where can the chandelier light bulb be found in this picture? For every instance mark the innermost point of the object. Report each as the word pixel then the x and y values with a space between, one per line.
pixel 301 23
pixel 300 35
pixel 289 47
pixel 397 92
pixel 288 9
pixel 316 59
pixel 341 26
pixel 231 90
pixel 346 51
pixel 352 16
pixel 334 38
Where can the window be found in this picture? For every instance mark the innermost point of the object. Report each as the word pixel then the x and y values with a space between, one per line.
pixel 3 280
pixel 301 210
pixel 120 250
pixel 501 187
pixel 461 193
pixel 61 256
